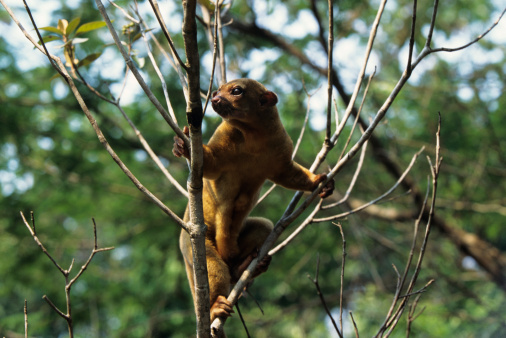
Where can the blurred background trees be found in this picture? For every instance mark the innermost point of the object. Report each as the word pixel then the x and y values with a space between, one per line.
pixel 51 163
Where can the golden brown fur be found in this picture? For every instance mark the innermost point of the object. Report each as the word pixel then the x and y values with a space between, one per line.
pixel 248 147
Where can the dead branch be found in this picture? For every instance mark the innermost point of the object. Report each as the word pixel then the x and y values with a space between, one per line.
pixel 322 298
pixel 58 66
pixel 68 283
pixel 383 196
pixel 392 319
pixel 341 289
pixel 330 50
pixel 131 65
pixel 25 310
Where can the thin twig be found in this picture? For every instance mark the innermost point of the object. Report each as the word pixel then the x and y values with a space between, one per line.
pixel 435 169
pixel 422 290
pixel 137 132
pixel 432 24
pixel 159 17
pixel 242 319
pixel 93 252
pixel 26 319
pixel 41 246
pixel 131 65
pixel 176 62
pixel 55 308
pixel 56 62
pixel 358 170
pixel 322 298
pixel 358 84
pixel 157 69
pixel 412 38
pixel 330 49
pixel 68 284
pixel 401 280
pixel 354 325
pixel 341 289
pixel 388 192
pixel 296 232
pixel 411 316
pixel 215 48
pixel 481 36
pixel 357 116
pixel 290 213
pixel 221 44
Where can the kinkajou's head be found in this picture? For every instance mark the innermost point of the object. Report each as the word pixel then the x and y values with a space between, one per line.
pixel 243 99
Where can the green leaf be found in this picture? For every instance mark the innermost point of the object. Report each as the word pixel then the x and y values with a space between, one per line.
pixel 137 37
pixel 88 59
pixel 90 26
pixel 52 30
pixel 73 25
pixel 49 38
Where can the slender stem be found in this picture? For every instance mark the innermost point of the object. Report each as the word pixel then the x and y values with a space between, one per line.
pixel 138 76
pixel 330 49
pixel 159 17
pixel 376 200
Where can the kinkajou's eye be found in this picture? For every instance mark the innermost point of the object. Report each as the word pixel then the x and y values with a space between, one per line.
pixel 237 91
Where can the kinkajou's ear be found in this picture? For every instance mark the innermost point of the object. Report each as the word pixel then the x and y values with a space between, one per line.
pixel 268 99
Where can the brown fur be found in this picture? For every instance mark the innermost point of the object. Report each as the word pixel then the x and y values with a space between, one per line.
pixel 248 147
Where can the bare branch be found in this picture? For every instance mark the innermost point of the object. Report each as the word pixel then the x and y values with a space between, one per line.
pixel 93 252
pixel 322 298
pixel 354 325
pixel 401 280
pixel 393 320
pixel 357 116
pixel 58 65
pixel 214 38
pixel 427 49
pixel 432 24
pixel 297 231
pixel 157 71
pixel 411 315
pixel 41 246
pixel 422 290
pixel 352 182
pixel 358 84
pixel 137 132
pixel 51 304
pixel 412 38
pixel 138 76
pixel 32 217
pixel 388 192
pixel 481 36
pixel 68 284
pixel 221 49
pixel 341 290
pixel 159 17
pixel 26 319
pixel 329 71
pixel 125 13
